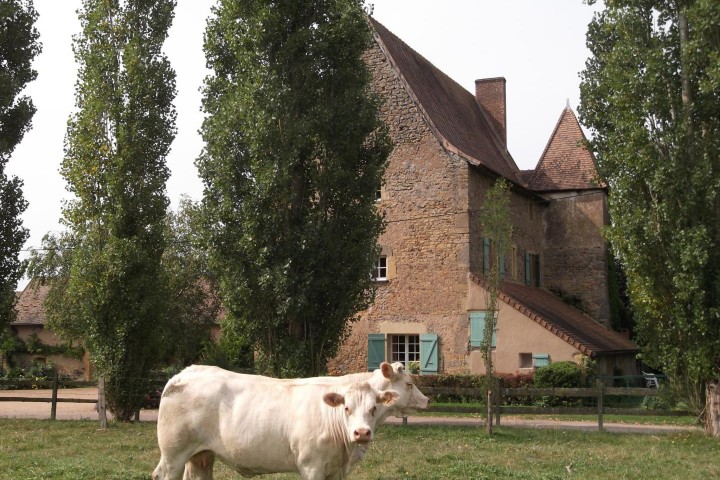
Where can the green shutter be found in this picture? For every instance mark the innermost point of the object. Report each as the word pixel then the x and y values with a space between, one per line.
pixel 428 353
pixel 501 267
pixel 477 327
pixel 486 256
pixel 541 359
pixel 528 280
pixel 376 350
pixel 477 330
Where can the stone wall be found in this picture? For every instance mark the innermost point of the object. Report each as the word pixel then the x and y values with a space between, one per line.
pixel 425 200
pixel 575 266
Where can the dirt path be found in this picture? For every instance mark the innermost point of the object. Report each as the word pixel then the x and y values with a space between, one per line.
pixel 87 411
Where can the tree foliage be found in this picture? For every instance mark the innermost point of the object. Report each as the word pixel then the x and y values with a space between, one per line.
pixel 651 94
pixel 496 226
pixel 294 155
pixel 19 45
pixel 111 290
pixel 193 306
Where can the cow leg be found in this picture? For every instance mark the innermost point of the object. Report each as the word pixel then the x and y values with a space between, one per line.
pixel 168 471
pixel 200 466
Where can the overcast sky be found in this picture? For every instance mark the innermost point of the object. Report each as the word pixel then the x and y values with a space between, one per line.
pixel 538 46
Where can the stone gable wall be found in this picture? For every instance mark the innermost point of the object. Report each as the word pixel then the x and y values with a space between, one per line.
pixel 425 200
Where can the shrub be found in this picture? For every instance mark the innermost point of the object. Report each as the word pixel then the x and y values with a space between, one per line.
pixel 517 380
pixel 558 375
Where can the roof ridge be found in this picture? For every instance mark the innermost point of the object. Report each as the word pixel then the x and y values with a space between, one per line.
pixel 507 167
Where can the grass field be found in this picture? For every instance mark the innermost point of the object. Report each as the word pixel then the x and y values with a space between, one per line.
pixel 74 450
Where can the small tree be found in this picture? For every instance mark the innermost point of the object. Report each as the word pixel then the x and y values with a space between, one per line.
pixel 18 47
pixel 496 225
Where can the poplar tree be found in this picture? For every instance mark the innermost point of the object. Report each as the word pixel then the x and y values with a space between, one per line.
pixel 115 165
pixel 294 157
pixel 651 95
pixel 19 45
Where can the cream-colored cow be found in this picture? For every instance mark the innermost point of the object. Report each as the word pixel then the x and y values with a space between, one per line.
pixel 256 425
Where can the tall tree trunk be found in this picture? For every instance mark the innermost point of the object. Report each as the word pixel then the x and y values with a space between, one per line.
pixel 712 408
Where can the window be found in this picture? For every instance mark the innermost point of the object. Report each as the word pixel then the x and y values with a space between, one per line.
pixel 526 360
pixel 530 360
pixel 380 272
pixel 533 274
pixel 405 349
pixel 477 330
pixel 492 256
pixel 513 263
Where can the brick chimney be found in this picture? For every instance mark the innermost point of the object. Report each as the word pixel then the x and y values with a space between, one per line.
pixel 490 93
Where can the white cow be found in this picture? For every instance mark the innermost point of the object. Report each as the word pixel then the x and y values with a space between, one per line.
pixel 387 377
pixel 257 426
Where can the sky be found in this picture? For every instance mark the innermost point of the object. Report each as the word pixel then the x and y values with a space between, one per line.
pixel 538 46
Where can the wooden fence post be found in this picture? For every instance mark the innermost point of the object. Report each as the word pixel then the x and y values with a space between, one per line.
pixel 102 411
pixel 53 402
pixel 498 401
pixel 601 409
pixel 489 420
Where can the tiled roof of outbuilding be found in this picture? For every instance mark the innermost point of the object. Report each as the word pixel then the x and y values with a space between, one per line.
pixel 453 112
pixel 566 163
pixel 566 322
pixel 30 309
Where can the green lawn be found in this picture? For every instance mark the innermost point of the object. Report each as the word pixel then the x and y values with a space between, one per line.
pixel 73 450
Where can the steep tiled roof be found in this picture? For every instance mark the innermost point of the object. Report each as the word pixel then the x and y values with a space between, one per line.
pixel 566 164
pixel 564 321
pixel 30 310
pixel 453 112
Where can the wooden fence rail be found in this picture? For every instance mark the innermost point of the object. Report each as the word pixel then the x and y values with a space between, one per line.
pixel 599 392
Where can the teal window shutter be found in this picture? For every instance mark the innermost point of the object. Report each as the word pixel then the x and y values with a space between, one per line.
pixel 428 353
pixel 486 256
pixel 541 359
pixel 528 280
pixel 501 267
pixel 477 329
pixel 376 350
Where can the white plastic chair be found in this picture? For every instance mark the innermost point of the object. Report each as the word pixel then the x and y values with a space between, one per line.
pixel 650 380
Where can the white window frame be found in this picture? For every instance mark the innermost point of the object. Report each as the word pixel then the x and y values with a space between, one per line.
pixel 381 269
pixel 410 345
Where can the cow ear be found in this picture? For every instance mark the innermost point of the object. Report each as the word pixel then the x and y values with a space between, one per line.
pixel 334 399
pixel 388 397
pixel 387 370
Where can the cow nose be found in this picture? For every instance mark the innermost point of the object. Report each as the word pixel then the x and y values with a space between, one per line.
pixel 362 435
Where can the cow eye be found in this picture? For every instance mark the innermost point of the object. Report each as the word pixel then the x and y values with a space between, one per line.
pixel 347 410
pixel 372 411
pixel 409 384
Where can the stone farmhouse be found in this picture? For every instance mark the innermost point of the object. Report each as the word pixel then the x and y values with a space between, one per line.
pixel 449 148
pixel 430 308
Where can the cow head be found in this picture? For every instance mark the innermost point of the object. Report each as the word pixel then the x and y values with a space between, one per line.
pixel 394 377
pixel 361 403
